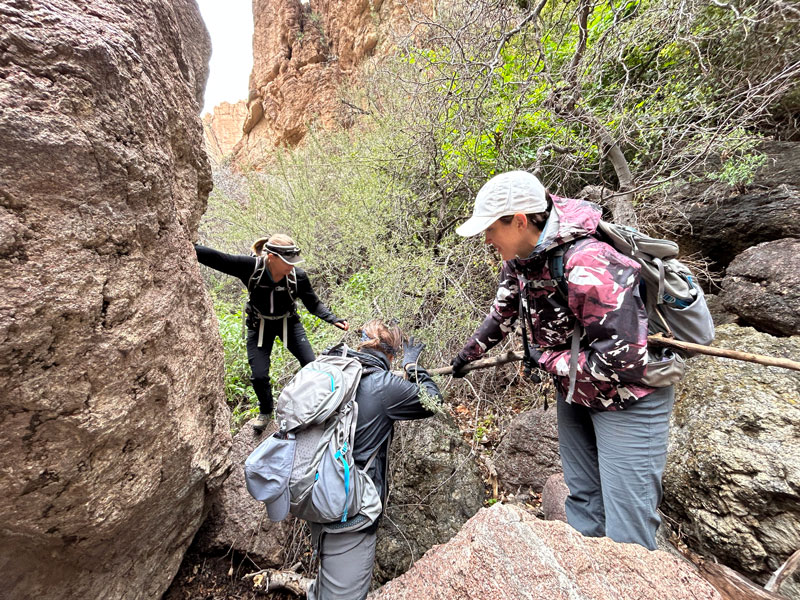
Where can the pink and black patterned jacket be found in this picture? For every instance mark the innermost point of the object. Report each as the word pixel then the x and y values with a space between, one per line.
pixel 603 294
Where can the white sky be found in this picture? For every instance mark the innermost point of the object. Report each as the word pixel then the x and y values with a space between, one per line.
pixel 230 24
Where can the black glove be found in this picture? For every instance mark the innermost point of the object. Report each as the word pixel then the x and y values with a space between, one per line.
pixel 411 351
pixel 458 363
pixel 536 356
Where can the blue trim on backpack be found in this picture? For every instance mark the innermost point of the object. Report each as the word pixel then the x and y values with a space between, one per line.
pixel 333 385
pixel 340 456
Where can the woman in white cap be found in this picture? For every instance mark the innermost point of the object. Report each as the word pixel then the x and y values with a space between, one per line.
pixel 274 282
pixel 612 429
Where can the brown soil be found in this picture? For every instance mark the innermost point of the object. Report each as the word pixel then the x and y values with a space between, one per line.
pixel 204 577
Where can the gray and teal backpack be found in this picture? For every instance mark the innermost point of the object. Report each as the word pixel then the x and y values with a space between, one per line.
pixel 675 304
pixel 317 415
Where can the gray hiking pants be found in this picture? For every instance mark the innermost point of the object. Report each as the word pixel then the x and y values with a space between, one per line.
pixel 613 462
pixel 345 564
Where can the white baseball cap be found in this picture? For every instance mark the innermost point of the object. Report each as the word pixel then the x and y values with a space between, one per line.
pixel 505 194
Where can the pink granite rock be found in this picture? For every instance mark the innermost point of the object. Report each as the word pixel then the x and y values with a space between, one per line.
pixel 504 552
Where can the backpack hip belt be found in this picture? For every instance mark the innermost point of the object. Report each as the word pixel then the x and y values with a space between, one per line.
pixel 262 318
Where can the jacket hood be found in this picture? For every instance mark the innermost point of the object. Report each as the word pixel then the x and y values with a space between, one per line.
pixel 569 220
pixel 367 357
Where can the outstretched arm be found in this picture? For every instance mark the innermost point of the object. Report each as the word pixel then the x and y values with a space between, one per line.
pixel 500 320
pixel 312 302
pixel 238 265
pixel 415 398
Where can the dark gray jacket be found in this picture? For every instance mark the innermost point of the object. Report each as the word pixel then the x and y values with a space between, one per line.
pixel 382 399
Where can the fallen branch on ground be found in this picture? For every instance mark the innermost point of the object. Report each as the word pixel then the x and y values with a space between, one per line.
pixel 788 569
pixel 270 580
pixel 732 585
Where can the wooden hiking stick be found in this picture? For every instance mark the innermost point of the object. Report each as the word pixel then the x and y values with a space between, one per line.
pixel 658 339
pixel 770 361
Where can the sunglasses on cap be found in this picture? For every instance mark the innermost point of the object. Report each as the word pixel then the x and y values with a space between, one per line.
pixel 287 251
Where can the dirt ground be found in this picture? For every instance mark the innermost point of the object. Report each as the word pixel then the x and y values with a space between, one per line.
pixel 204 577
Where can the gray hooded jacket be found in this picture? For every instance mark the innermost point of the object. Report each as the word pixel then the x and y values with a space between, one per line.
pixel 384 398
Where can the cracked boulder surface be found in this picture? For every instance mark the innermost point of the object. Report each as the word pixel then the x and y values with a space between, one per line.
pixel 762 287
pixel 114 424
pixel 732 478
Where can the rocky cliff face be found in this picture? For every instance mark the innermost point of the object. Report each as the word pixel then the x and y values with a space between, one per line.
pixel 302 52
pixel 725 222
pixel 114 426
pixel 222 128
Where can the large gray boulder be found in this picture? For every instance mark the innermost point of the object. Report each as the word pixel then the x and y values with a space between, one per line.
pixel 762 286
pixel 713 219
pixel 238 522
pixel 435 487
pixel 529 454
pixel 505 553
pixel 114 424
pixel 733 470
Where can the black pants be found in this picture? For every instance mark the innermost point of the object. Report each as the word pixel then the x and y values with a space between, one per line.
pixel 296 342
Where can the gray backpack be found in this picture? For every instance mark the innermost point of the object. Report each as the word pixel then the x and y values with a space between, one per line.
pixel 675 304
pixel 317 414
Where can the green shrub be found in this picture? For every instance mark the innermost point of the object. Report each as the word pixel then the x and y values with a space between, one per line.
pixel 374 208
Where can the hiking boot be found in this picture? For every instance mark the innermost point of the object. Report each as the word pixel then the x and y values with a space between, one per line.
pixel 261 421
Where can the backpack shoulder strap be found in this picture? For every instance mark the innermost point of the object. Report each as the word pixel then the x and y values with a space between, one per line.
pixel 525 318
pixel 557 259
pixel 258 273
pixel 291 284
pixel 556 266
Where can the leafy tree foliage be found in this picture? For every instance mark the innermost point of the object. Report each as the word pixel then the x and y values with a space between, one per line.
pixel 621 99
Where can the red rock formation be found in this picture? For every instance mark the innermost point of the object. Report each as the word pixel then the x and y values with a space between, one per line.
pixel 302 52
pixel 506 553
pixel 222 128
pixel 114 423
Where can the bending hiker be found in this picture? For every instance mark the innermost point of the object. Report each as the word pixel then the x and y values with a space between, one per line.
pixel 274 282
pixel 613 431
pixel 328 462
pixel 346 559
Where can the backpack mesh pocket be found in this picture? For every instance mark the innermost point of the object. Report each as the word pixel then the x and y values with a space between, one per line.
pixel 335 494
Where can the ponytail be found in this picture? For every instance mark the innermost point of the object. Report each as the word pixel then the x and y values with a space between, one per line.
pixel 377 335
pixel 258 246
pixel 279 239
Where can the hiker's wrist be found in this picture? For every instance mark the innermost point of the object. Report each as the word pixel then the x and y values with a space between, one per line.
pixel 536 355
